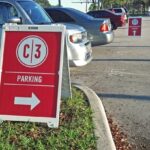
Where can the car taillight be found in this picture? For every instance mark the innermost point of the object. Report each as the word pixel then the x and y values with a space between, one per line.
pixel 104 28
pixel 123 17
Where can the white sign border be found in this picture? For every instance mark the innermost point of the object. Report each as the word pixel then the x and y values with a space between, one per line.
pixel 51 122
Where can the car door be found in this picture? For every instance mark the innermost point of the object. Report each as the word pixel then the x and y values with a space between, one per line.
pixel 7 11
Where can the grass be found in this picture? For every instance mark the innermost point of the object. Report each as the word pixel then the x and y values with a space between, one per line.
pixel 74 133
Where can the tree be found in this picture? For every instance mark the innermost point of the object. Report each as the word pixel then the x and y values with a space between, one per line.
pixel 131 5
pixel 147 3
pixel 113 3
pixel 43 3
pixel 93 7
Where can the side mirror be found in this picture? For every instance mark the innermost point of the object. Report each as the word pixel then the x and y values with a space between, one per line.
pixel 16 20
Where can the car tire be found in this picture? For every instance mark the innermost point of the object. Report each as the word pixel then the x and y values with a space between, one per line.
pixel 114 27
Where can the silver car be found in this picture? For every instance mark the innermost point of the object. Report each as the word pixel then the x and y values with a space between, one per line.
pixel 99 30
pixel 29 12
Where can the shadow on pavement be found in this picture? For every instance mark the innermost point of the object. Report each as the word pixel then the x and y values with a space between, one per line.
pixel 125 46
pixel 124 96
pixel 120 59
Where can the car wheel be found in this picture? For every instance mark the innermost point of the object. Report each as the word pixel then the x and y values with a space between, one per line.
pixel 113 26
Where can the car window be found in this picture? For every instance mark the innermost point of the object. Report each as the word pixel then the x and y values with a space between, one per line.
pixel 92 13
pixel 59 16
pixel 110 12
pixel 7 11
pixel 104 14
pixel 80 13
pixel 118 10
pixel 35 12
pixel 95 14
pixel 98 14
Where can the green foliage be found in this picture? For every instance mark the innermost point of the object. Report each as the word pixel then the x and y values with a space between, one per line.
pixel 43 3
pixel 106 4
pixel 74 133
pixel 93 6
pixel 114 3
pixel 133 6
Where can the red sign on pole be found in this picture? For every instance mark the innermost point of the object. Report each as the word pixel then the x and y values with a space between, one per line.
pixel 135 24
pixel 31 73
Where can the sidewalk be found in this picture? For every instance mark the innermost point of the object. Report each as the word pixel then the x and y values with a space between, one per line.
pixel 102 129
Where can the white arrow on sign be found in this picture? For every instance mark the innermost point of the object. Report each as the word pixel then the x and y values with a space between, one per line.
pixel 33 101
pixel 134 32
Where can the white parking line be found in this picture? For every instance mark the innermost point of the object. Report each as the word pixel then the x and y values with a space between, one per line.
pixel 123 72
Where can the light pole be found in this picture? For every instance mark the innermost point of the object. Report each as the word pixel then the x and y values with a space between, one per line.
pixel 59 2
pixel 86 6
pixel 99 4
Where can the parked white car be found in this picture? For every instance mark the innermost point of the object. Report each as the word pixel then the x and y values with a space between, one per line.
pixel 78 46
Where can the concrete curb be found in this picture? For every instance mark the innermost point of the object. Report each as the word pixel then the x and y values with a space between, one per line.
pixel 102 129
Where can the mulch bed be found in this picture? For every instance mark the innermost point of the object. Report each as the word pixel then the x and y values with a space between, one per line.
pixel 120 138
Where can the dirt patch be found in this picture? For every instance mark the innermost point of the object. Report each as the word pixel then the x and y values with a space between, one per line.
pixel 120 138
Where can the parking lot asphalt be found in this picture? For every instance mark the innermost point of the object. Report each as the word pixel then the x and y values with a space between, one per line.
pixel 119 74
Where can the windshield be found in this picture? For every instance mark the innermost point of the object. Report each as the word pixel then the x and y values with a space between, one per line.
pixel 35 12
pixel 118 10
pixel 80 13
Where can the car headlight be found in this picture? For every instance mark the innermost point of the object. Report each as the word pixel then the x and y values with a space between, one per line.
pixel 78 37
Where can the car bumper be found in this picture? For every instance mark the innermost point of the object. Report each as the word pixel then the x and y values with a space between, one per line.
pixel 121 23
pixel 102 38
pixel 81 54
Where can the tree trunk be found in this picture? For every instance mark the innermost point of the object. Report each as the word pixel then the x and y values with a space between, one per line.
pixel 59 2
